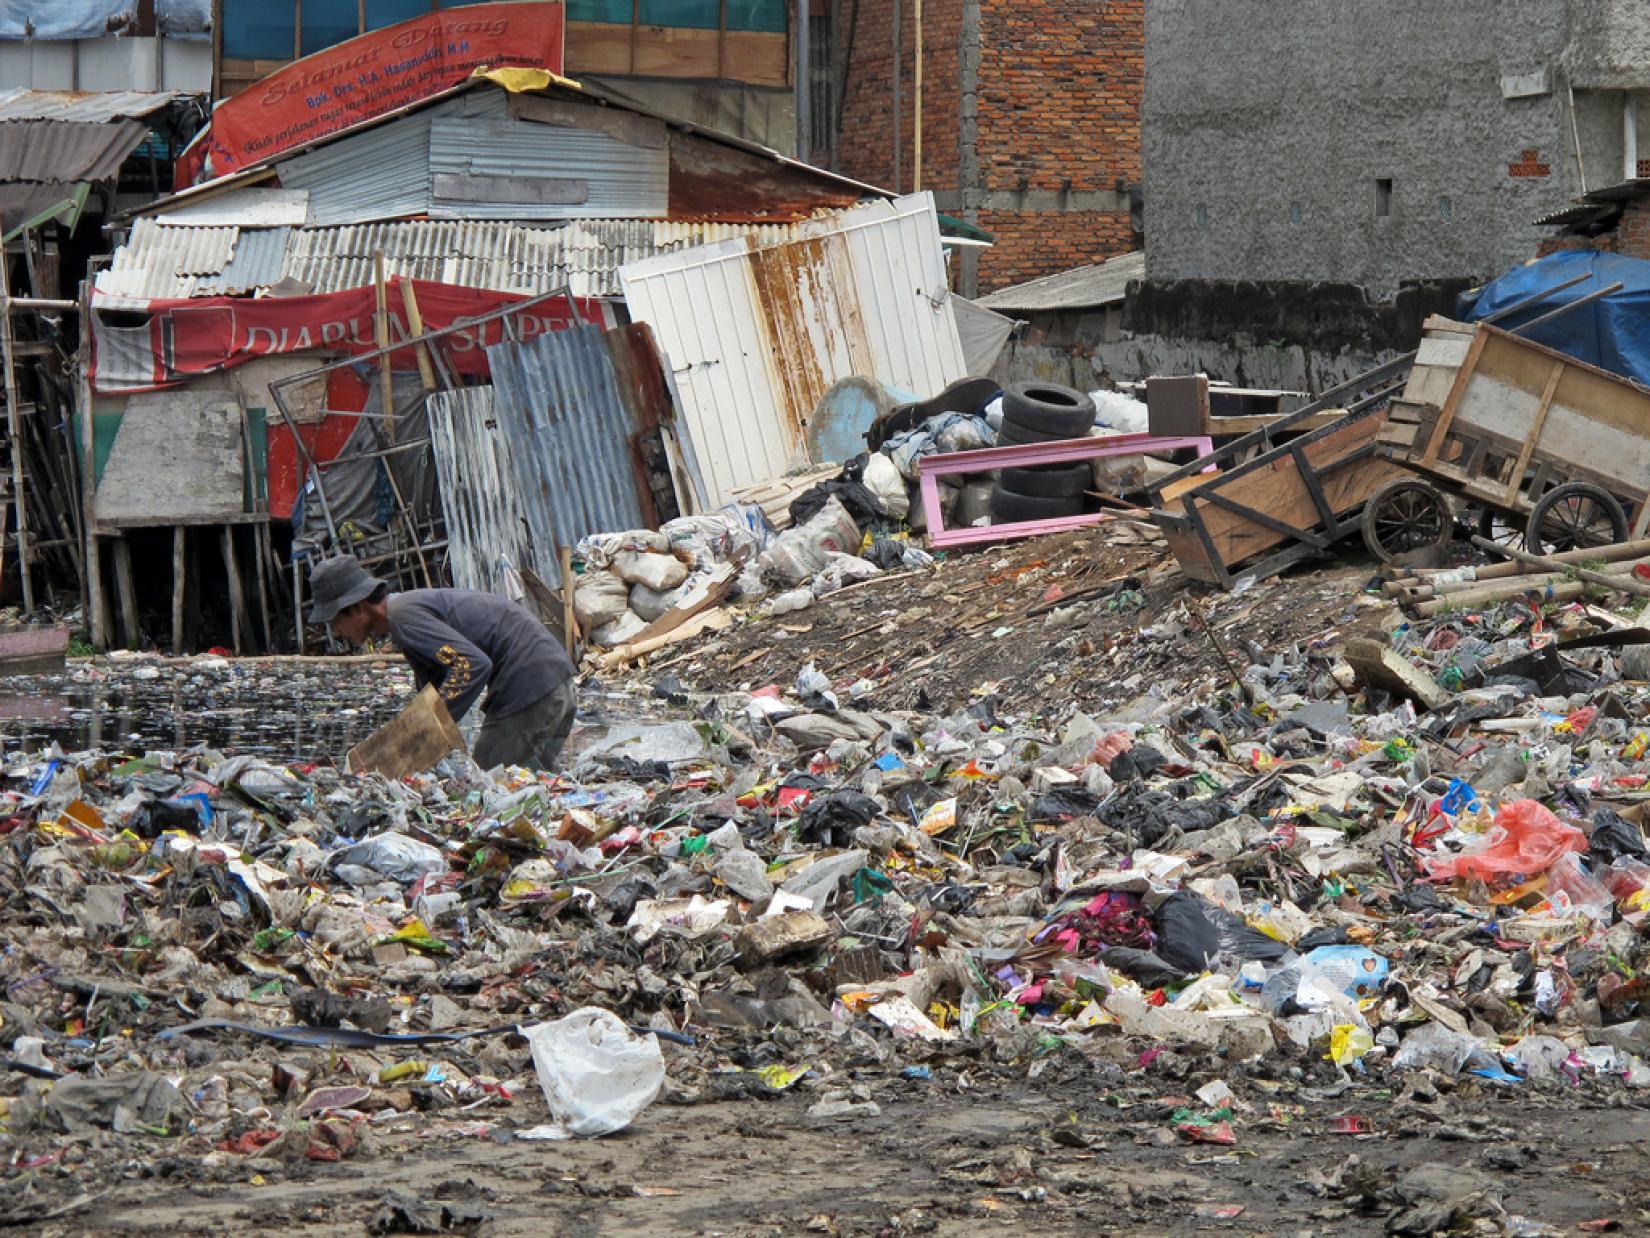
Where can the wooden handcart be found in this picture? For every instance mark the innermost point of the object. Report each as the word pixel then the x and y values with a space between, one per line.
pixel 1547 448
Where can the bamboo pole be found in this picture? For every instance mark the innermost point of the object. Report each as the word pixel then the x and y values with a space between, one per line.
pixel 1621 584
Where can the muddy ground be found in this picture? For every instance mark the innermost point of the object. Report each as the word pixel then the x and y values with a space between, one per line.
pixel 1063 1144
pixel 1075 1157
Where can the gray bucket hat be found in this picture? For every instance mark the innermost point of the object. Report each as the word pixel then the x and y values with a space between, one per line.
pixel 338 583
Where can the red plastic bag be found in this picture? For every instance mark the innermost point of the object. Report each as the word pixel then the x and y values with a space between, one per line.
pixel 1526 839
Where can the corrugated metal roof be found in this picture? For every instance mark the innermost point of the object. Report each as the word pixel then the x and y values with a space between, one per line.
pixel 379 173
pixel 755 335
pixel 260 254
pixel 1081 288
pixel 88 107
pixel 61 150
pixel 558 404
pixel 486 521
pixel 614 178
pixel 585 255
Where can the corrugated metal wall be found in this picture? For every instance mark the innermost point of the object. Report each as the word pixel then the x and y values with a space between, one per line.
pixel 618 179
pixel 486 521
pixel 557 402
pixel 755 335
pixel 379 173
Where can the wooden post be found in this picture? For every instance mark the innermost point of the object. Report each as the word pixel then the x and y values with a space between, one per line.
pixel 415 325
pixel 916 105
pixel 381 331
pixel 131 636
pixel 237 598
pixel 14 427
pixel 569 617
pixel 180 541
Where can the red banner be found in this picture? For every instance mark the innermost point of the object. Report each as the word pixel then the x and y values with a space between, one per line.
pixel 145 345
pixel 368 76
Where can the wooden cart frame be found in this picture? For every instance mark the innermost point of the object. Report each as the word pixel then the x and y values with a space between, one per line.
pixel 1535 437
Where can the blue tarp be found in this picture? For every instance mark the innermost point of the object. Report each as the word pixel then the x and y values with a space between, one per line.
pixel 1612 333
pixel 91 19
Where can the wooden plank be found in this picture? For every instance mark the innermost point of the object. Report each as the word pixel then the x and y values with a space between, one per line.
pixel 130 635
pixel 237 597
pixel 1446 413
pixel 1449 352
pixel 1515 476
pixel 569 617
pixel 415 324
pixel 409 743
pixel 597 47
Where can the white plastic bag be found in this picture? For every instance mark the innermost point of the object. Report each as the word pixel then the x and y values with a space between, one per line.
pixel 599 599
pixel 597 1074
pixel 659 572
pixel 625 628
pixel 600 549
pixel 882 478
pixel 799 552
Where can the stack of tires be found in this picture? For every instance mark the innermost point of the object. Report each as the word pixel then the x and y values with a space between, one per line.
pixel 1042 413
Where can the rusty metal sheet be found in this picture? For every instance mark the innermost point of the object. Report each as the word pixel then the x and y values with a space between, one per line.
pixel 755 335
pixel 62 150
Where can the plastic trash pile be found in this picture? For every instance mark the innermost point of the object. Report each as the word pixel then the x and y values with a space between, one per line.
pixel 1295 878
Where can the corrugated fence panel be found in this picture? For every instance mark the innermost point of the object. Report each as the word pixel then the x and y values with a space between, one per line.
pixel 704 307
pixel 614 178
pixel 381 173
pixel 559 406
pixel 899 277
pixel 754 338
pixel 486 521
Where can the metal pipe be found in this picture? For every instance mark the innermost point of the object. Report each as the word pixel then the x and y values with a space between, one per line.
pixel 916 101
pixel 899 103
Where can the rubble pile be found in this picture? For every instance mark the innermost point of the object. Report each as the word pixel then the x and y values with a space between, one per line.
pixel 1296 876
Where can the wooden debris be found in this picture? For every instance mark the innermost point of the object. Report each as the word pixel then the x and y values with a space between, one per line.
pixel 409 743
pixel 1379 667
pixel 709 621
pixel 1621 584
pixel 773 937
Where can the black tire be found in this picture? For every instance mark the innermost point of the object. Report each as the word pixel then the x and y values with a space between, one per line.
pixel 1010 508
pixel 1015 435
pixel 1049 481
pixel 1049 408
pixel 1404 516
pixel 1574 516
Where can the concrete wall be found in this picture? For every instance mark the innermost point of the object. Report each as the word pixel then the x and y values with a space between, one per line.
pixel 126 63
pixel 1265 128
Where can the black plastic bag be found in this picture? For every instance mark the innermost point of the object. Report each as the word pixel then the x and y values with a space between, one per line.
pixel 1615 837
pixel 1137 763
pixel 1193 934
pixel 832 820
pixel 1063 804
pixel 1145 967
pixel 1148 814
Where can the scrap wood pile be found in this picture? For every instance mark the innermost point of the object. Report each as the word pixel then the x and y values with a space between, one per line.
pixel 1285 874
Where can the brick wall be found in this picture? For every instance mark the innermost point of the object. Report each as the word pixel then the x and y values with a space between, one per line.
pixel 1632 235
pixel 1059 114
pixel 866 144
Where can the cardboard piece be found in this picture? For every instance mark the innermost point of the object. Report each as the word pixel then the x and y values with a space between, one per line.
pixel 409 743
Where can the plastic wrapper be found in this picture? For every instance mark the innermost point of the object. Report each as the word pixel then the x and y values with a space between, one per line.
pixel 1120 412
pixel 1356 971
pixel 1580 889
pixel 791 601
pixel 1434 1047
pixel 393 856
pixel 597 1075
pixel 840 570
pixel 1525 840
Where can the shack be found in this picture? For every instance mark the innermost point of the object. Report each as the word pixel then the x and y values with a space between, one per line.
pixel 514 188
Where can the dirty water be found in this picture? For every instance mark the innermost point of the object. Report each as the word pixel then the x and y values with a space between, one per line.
pixel 287 716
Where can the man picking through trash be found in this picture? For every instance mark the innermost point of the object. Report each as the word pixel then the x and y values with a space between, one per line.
pixel 463 642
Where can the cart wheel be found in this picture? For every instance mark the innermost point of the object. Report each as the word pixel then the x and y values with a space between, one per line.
pixel 1574 516
pixel 1502 528
pixel 1404 516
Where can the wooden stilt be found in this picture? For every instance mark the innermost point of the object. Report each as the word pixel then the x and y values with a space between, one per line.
pixel 130 635
pixel 180 543
pixel 237 597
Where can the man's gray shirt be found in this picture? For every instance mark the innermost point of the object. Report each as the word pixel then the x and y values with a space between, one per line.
pixel 463 642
